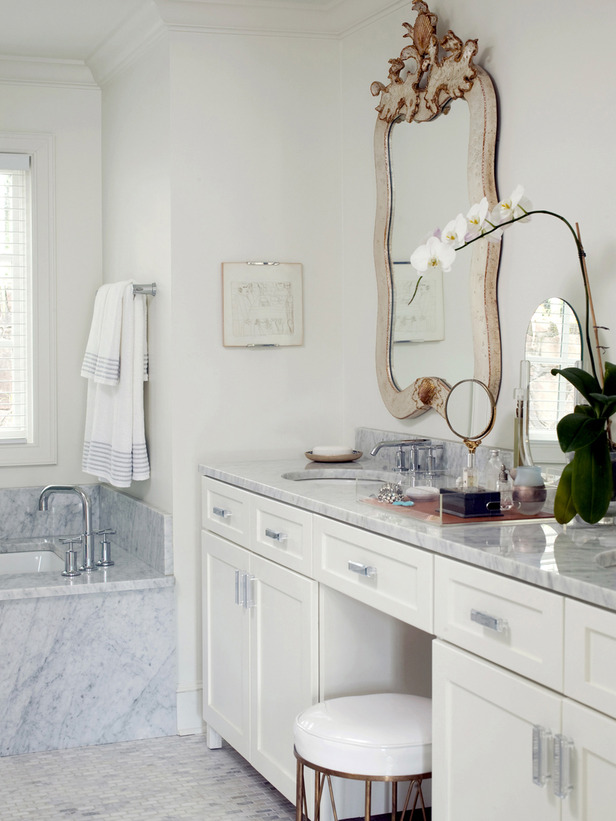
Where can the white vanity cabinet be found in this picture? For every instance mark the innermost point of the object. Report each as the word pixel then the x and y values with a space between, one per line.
pixel 260 628
pixel 509 739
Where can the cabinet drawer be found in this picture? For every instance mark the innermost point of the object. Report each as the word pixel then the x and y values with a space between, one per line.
pixel 508 622
pixel 388 575
pixel 225 510
pixel 282 533
pixel 590 656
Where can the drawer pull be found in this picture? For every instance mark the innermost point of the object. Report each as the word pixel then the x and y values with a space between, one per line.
pixel 273 534
pixel 541 755
pixel 362 569
pixel 220 511
pixel 491 622
pixel 562 766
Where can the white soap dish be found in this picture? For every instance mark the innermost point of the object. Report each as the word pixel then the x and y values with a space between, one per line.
pixel 323 456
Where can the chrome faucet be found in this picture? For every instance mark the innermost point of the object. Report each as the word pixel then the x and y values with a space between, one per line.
pixel 88 545
pixel 406 448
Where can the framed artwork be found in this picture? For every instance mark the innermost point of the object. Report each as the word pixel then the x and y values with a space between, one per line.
pixel 262 304
pixel 423 320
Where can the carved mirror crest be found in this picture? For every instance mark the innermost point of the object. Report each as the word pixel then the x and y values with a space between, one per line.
pixel 439 166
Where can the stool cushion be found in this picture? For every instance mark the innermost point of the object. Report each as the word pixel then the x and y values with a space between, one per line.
pixel 385 734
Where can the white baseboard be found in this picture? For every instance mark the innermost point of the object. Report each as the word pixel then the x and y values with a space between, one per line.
pixel 189 701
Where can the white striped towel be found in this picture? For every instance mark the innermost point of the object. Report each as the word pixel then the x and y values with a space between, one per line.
pixel 115 448
pixel 101 360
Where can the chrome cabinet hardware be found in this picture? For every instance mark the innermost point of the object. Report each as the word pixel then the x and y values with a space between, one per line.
pixel 275 535
pixel 541 755
pixel 362 569
pixel 562 766
pixel 491 622
pixel 220 511
pixel 248 591
pixel 238 588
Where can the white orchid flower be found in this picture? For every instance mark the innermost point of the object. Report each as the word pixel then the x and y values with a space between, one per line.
pixel 516 206
pixel 477 217
pixel 454 232
pixel 433 255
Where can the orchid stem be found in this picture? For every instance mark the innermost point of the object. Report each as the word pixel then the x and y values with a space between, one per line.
pixel 415 291
pixel 582 259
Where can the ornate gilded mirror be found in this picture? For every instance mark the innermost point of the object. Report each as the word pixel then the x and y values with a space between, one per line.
pixel 434 148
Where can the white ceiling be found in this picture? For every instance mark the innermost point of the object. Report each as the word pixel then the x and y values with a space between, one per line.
pixel 75 29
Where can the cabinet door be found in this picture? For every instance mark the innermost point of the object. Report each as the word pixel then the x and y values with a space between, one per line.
pixel 284 653
pixel 593 764
pixel 226 655
pixel 483 719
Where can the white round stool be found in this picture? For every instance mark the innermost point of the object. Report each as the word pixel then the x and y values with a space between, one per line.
pixel 380 737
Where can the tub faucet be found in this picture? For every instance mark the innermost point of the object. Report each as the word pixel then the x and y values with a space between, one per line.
pixel 405 447
pixel 88 544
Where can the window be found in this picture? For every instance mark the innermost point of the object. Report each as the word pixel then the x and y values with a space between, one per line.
pixel 553 340
pixel 27 309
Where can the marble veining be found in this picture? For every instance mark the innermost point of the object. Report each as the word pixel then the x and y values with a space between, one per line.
pixel 548 555
pixel 86 670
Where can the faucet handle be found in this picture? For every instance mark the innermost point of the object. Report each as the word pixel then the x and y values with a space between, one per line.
pixel 70 557
pixel 105 559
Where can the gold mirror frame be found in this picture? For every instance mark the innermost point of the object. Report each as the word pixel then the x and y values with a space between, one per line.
pixel 444 71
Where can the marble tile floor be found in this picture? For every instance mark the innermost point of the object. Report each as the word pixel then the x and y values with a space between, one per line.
pixel 161 779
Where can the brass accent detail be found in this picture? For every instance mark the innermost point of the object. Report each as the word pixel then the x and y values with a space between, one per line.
pixel 414 791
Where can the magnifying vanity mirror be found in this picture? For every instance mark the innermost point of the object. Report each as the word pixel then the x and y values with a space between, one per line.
pixel 434 147
pixel 470 414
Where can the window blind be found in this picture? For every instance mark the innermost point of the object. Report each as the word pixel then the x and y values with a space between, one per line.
pixel 15 298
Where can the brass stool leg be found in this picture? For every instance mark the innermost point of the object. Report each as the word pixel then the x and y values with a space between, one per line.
pixel 368 799
pixel 299 790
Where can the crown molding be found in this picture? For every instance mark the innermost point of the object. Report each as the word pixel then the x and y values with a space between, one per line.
pixel 127 43
pixel 333 19
pixel 42 71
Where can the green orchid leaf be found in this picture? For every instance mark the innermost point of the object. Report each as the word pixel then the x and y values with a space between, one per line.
pixel 591 480
pixel 586 410
pixel 564 508
pixel 582 381
pixel 577 430
pixel 609 383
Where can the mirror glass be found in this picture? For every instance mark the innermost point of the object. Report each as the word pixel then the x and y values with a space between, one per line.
pixel 469 410
pixel 440 311
pixel 434 151
pixel 553 340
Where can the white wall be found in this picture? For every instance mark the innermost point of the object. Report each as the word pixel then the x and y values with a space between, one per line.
pixel 136 234
pixel 72 115
pixel 556 138
pixel 255 176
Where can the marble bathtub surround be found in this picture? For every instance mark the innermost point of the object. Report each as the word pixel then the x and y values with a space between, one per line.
pixel 140 529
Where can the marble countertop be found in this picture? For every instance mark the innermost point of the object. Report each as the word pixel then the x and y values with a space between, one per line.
pixel 563 559
pixel 128 573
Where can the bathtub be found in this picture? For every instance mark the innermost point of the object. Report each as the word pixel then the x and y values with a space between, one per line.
pixel 30 561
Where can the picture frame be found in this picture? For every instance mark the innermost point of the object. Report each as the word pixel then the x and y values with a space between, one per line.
pixel 262 304
pixel 419 314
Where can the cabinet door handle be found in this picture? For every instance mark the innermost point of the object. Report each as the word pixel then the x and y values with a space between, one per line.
pixel 541 755
pixel 562 766
pixel 220 511
pixel 249 600
pixel 362 569
pixel 491 622
pixel 239 589
pixel 275 535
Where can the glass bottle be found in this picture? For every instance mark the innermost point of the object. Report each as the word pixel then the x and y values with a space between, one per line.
pixel 505 487
pixel 492 471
